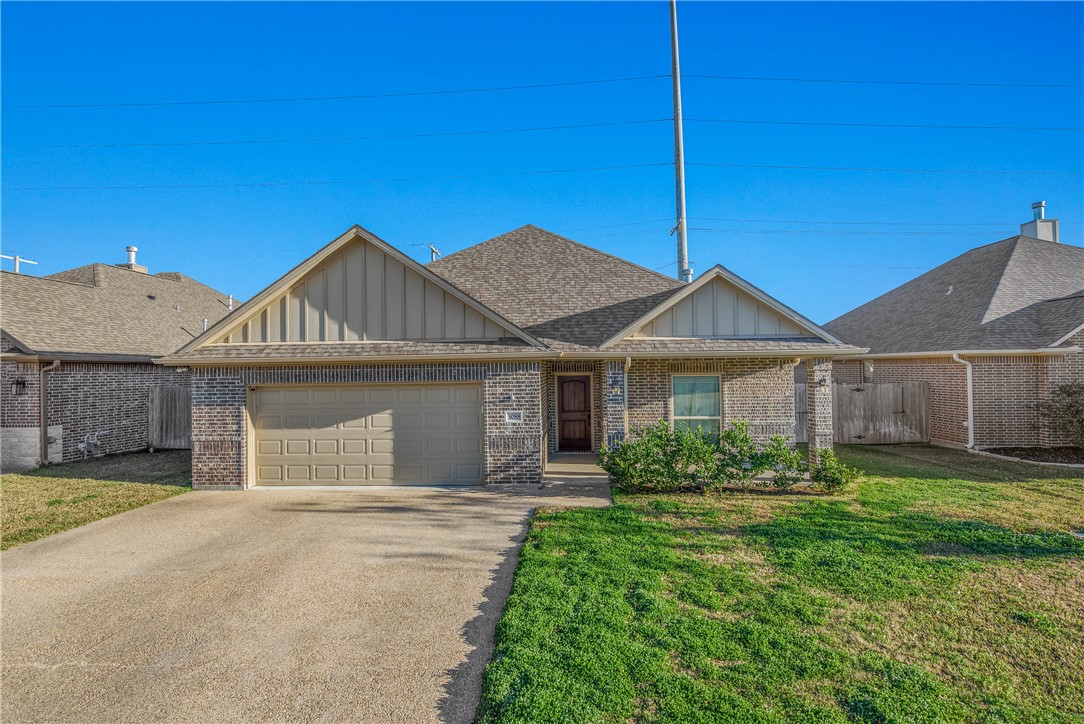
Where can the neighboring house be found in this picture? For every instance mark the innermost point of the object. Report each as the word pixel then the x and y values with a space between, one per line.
pixel 361 366
pixel 993 332
pixel 77 351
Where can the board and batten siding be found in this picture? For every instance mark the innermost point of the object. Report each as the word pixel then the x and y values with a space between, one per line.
pixel 719 309
pixel 361 293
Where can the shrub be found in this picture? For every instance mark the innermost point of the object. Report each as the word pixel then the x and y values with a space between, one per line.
pixel 659 459
pixel 736 461
pixel 830 474
pixel 783 460
pixel 1065 412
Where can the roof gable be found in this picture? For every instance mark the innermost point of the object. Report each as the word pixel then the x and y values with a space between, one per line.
pixel 721 305
pixel 358 288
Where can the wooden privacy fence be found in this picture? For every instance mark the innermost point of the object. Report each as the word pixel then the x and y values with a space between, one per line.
pixel 872 414
pixel 170 417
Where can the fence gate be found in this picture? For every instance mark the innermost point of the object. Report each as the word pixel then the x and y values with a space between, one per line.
pixel 170 417
pixel 872 414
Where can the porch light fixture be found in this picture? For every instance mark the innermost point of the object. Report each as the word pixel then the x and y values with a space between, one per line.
pixel 18 387
pixel 615 389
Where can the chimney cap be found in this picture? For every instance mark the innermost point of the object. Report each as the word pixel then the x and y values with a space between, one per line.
pixel 1038 208
pixel 136 248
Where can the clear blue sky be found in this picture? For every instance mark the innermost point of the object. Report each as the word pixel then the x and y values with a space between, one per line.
pixel 239 239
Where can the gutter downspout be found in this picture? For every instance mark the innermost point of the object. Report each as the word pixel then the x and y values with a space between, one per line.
pixel 970 401
pixel 44 408
pixel 625 396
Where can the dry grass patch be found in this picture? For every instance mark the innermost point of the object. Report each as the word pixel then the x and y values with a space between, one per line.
pixel 60 497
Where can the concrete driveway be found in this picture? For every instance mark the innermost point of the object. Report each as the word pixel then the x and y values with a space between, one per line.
pixel 371 605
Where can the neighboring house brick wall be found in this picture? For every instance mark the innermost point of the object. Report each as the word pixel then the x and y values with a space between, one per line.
pixel 1006 390
pixel 513 452
pixel 948 389
pixel 85 398
pixel 1056 372
pixel 20 410
pixel 759 391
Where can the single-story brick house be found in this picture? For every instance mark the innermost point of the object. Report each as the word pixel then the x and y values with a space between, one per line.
pixel 77 352
pixel 361 366
pixel 993 331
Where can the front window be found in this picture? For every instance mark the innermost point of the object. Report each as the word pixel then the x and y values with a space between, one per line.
pixel 696 403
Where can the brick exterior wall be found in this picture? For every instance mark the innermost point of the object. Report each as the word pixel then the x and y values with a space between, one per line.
pixel 614 403
pixel 948 389
pixel 1006 390
pixel 1059 371
pixel 818 406
pixel 85 398
pixel 513 452
pixel 759 391
pixel 20 410
pixel 597 370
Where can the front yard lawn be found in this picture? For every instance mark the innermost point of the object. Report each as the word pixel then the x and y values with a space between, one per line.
pixel 944 587
pixel 55 498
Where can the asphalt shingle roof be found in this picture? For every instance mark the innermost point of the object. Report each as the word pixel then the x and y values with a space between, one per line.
pixel 556 289
pixel 106 311
pixel 1019 293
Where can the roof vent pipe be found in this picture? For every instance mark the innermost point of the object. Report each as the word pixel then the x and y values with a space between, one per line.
pixel 229 302
pixel 131 254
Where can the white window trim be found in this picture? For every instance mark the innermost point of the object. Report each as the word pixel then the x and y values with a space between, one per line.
pixel 674 418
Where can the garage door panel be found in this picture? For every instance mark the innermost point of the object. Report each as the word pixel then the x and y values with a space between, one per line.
pixel 355 473
pixel 325 447
pixel 355 447
pixel 269 447
pixel 326 473
pixel 411 434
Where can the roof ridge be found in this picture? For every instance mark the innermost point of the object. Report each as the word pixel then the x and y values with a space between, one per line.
pixel 986 318
pixel 49 278
pixel 626 262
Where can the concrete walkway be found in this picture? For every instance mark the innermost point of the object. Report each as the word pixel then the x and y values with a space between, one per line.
pixel 362 606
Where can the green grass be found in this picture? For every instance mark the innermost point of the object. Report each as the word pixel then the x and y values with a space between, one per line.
pixel 59 497
pixel 945 587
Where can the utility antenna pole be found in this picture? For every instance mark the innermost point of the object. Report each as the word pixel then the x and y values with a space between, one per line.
pixel 434 252
pixel 685 274
pixel 17 259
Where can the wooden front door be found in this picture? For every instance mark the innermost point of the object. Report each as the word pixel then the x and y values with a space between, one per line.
pixel 574 412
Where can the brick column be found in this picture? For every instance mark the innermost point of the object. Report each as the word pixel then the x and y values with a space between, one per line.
pixel 613 414
pixel 819 403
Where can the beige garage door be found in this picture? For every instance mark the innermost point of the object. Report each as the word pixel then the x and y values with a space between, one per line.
pixel 368 435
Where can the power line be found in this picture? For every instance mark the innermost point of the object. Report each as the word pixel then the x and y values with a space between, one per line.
pixel 885 170
pixel 856 81
pixel 306 99
pixel 341 138
pixel 844 124
pixel 839 233
pixel 529 129
pixel 264 184
pixel 857 223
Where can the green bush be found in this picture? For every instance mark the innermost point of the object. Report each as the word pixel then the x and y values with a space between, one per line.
pixel 784 461
pixel 659 459
pixel 737 461
pixel 830 474
pixel 1065 412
